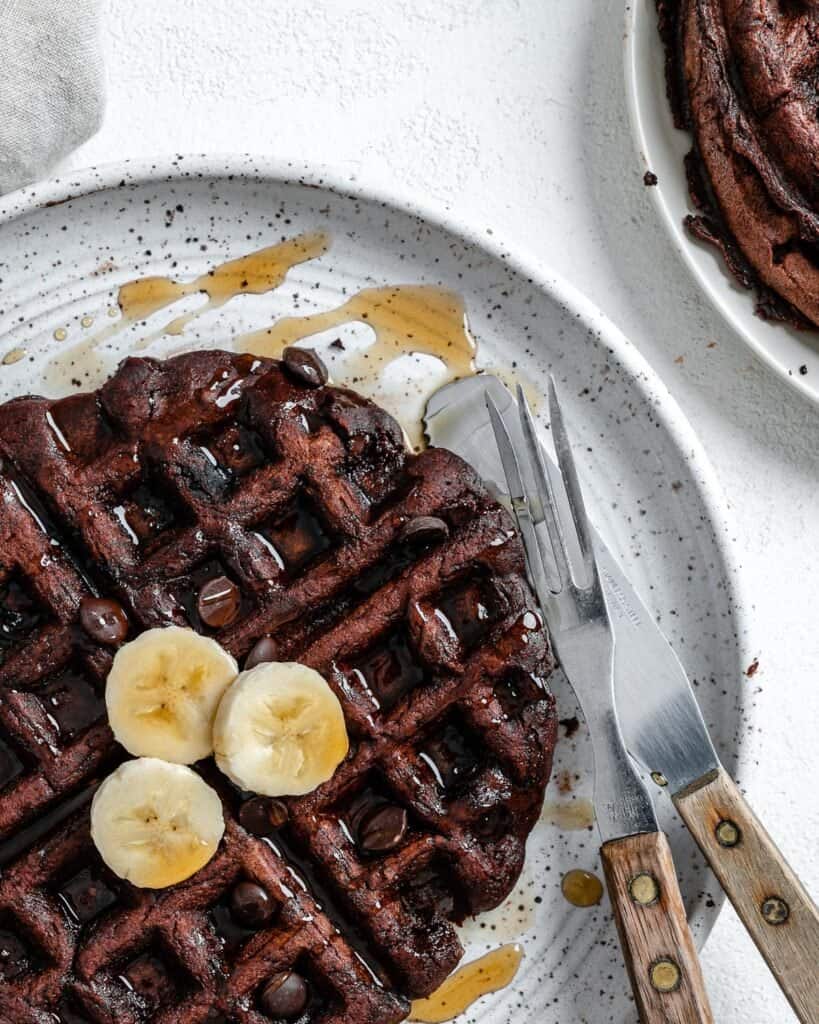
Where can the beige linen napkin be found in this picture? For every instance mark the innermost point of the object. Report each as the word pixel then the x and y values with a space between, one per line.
pixel 51 84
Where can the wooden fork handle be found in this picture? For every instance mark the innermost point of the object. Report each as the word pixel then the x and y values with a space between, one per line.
pixel 771 901
pixel 662 962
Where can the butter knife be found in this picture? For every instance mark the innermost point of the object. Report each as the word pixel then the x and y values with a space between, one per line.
pixel 664 729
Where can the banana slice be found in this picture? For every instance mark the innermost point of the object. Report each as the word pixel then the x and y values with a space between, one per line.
pixel 280 730
pixel 163 692
pixel 154 823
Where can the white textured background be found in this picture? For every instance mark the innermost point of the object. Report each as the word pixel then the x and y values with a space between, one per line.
pixel 513 113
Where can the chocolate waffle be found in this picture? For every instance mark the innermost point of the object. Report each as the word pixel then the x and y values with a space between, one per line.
pixel 743 79
pixel 394 575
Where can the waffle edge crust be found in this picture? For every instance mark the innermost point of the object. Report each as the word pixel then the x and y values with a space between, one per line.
pixel 743 78
pixel 214 464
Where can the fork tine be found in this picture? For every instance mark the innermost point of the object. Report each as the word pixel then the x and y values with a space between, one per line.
pixel 551 516
pixel 520 503
pixel 571 481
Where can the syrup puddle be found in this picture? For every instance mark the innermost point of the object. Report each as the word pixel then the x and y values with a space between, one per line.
pixel 469 983
pixel 581 888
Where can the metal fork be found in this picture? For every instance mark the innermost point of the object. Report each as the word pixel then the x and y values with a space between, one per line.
pixel 659 951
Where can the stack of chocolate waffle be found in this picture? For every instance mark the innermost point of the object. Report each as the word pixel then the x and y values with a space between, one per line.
pixel 395 576
pixel 742 77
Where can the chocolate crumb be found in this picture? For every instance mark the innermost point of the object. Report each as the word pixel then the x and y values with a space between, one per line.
pixel 571 725
pixel 103 620
pixel 650 178
pixel 752 669
pixel 564 782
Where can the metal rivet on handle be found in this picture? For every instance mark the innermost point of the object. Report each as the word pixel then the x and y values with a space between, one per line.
pixel 665 975
pixel 775 910
pixel 659 778
pixel 643 889
pixel 728 833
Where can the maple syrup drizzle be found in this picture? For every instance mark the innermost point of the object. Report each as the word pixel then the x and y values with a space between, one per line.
pixel 255 274
pixel 405 320
pixel 581 888
pixel 491 973
pixel 258 272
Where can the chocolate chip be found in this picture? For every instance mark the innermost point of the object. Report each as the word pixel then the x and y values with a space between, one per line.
pixel 305 366
pixel 285 996
pixel 264 650
pixel 424 530
pixel 251 905
pixel 219 602
pixel 382 829
pixel 261 816
pixel 103 620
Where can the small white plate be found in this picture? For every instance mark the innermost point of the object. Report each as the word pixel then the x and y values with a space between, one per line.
pixel 792 354
pixel 651 490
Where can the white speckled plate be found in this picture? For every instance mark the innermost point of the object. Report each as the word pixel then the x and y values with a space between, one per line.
pixel 792 354
pixel 653 496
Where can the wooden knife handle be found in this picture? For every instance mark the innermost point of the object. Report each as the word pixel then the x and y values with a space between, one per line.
pixel 662 962
pixel 771 901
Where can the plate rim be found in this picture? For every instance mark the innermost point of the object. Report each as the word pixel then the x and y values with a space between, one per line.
pixel 650 386
pixel 682 244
